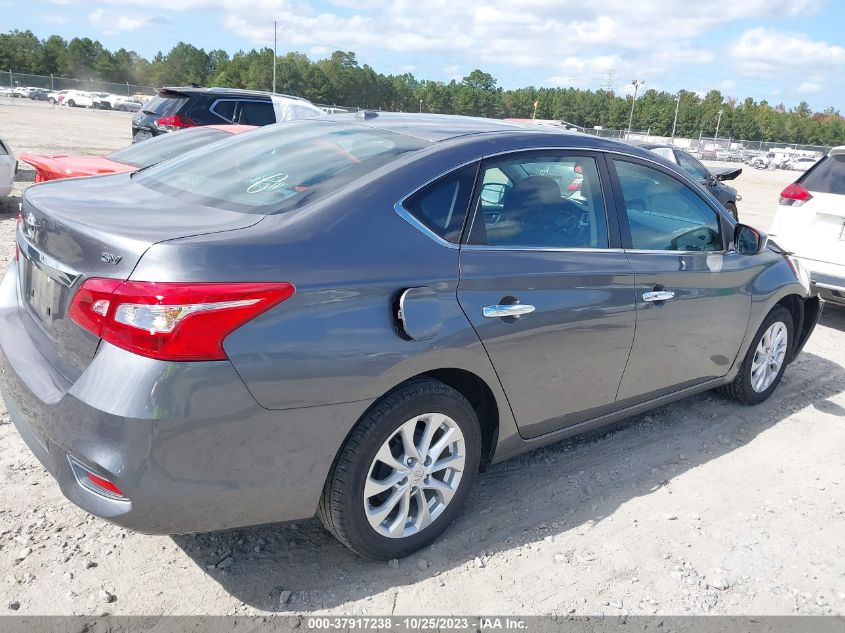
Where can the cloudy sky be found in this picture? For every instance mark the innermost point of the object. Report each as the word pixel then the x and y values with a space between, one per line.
pixel 781 50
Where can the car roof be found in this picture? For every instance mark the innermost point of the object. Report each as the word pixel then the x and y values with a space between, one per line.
pixel 431 127
pixel 445 127
pixel 167 91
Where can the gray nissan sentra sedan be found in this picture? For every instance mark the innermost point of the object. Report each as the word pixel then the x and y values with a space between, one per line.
pixel 353 316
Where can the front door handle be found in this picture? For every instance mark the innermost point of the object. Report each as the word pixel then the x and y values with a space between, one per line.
pixel 508 310
pixel 658 295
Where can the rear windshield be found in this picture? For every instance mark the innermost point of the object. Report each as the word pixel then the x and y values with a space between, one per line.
pixel 826 177
pixel 279 167
pixel 166 146
pixel 163 106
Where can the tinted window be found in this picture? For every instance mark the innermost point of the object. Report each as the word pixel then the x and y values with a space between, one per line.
pixel 695 169
pixel 664 214
pixel 166 146
pixel 665 152
pixel 541 201
pixel 826 177
pixel 163 106
pixel 256 113
pixel 442 205
pixel 225 109
pixel 279 167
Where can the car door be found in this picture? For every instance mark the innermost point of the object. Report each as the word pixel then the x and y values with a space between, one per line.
pixel 546 286
pixel 693 305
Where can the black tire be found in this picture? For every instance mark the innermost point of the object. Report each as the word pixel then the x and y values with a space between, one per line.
pixel 341 507
pixel 71 103
pixel 740 389
pixel 730 206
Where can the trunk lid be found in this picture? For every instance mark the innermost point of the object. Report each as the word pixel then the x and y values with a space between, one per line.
pixel 97 227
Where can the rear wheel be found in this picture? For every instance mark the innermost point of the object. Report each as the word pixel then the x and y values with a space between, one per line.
pixel 730 206
pixel 765 362
pixel 404 472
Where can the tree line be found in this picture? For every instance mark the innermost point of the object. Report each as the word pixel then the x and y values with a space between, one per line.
pixel 340 79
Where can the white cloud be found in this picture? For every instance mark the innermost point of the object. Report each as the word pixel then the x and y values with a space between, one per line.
pixel 570 42
pixel 809 87
pixel 113 24
pixel 769 52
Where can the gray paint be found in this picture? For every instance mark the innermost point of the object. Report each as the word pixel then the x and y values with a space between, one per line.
pixel 201 446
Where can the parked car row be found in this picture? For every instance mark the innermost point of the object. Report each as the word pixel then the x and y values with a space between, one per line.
pixel 351 315
pixel 77 98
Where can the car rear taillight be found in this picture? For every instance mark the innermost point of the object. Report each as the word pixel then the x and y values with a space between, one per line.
pixel 171 321
pixel 174 122
pixel 794 195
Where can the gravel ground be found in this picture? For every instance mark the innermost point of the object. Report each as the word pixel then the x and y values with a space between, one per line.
pixel 703 506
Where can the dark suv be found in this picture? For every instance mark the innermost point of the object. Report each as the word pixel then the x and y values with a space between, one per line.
pixel 176 108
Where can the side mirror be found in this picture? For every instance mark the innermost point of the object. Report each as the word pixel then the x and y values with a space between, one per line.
pixel 749 241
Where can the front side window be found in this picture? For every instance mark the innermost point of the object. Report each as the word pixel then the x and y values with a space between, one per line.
pixel 664 214
pixel 695 169
pixel 441 206
pixel 278 168
pixel 543 201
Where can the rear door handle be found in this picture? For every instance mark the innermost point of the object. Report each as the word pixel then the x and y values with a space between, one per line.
pixel 508 310
pixel 658 295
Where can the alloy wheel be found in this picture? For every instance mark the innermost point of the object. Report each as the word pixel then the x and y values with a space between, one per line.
pixel 769 356
pixel 414 475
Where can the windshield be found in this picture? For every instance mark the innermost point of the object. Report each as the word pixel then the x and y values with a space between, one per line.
pixel 161 148
pixel 278 167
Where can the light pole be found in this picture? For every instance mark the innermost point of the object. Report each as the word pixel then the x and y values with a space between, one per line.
pixel 274 55
pixel 636 83
pixel 718 123
pixel 675 122
pixel 421 106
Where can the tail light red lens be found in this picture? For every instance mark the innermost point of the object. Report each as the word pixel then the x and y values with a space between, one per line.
pixel 104 484
pixel 794 195
pixel 174 122
pixel 172 321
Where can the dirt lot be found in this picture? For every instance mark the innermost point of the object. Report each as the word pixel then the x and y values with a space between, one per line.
pixel 703 506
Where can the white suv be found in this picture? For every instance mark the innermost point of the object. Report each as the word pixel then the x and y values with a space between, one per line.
pixel 810 223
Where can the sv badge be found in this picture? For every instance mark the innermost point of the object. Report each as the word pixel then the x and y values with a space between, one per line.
pixel 110 258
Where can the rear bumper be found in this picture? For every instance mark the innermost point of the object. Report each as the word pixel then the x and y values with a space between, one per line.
pixel 186 442
pixel 828 279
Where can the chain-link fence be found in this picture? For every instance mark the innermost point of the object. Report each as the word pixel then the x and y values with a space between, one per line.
pixel 22 80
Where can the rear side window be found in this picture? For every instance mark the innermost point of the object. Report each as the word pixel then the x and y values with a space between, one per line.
pixel 163 106
pixel 826 177
pixel 225 109
pixel 256 113
pixel 166 146
pixel 441 206
pixel 279 167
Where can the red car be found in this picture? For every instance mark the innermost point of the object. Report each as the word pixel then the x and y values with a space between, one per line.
pixel 132 158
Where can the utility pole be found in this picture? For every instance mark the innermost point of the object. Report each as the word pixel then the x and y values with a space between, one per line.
pixel 636 83
pixel 421 106
pixel 675 122
pixel 534 114
pixel 275 40
pixel 718 123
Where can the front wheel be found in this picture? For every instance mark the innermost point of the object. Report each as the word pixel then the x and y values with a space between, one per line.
pixel 765 362
pixel 404 472
pixel 71 103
